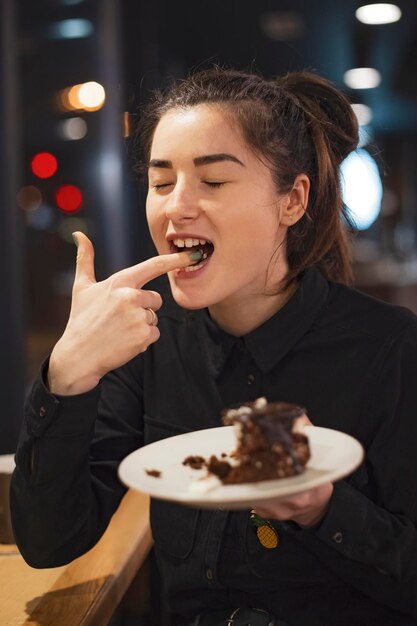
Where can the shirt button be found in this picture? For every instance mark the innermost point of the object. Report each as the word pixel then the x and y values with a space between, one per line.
pixel 42 411
pixel 209 574
pixel 251 379
pixel 338 537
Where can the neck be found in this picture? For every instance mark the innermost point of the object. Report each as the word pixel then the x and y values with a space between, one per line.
pixel 239 317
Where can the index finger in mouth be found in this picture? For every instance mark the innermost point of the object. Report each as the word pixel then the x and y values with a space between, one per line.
pixel 140 274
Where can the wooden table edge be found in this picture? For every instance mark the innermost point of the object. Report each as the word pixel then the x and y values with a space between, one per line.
pixel 112 576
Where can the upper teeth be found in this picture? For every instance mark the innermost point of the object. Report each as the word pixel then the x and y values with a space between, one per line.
pixel 188 243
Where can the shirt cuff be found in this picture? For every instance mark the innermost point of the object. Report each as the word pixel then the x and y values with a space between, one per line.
pixel 50 415
pixel 344 523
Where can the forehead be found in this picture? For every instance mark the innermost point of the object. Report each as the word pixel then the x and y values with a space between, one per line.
pixel 192 129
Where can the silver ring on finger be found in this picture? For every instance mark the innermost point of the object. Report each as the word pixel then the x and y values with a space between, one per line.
pixel 154 318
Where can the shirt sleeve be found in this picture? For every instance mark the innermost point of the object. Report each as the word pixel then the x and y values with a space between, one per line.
pixel 371 543
pixel 65 487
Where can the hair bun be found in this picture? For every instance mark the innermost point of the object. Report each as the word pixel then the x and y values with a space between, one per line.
pixel 325 104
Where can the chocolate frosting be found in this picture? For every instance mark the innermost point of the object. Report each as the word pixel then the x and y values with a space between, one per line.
pixel 275 419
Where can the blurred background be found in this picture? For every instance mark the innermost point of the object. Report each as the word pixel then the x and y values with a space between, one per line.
pixel 73 73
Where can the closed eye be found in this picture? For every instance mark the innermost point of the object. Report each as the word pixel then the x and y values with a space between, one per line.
pixel 214 184
pixel 161 186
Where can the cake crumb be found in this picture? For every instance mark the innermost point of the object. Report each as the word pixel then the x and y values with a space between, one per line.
pixel 153 472
pixel 195 462
pixel 217 467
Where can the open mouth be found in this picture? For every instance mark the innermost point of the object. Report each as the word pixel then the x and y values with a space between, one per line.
pixel 193 245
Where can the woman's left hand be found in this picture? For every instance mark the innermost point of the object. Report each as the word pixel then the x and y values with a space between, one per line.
pixel 305 509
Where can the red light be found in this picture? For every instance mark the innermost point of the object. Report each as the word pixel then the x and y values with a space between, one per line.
pixel 44 165
pixel 69 198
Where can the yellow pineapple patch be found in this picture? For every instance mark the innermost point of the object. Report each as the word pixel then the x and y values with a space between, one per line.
pixel 267 535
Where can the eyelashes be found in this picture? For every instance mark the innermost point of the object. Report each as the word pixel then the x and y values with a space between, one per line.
pixel 163 186
pixel 212 184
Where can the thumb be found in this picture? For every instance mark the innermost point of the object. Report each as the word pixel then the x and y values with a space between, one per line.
pixel 84 271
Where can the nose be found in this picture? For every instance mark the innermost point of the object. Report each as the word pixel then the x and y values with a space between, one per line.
pixel 183 203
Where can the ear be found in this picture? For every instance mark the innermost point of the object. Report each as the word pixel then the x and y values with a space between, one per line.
pixel 296 201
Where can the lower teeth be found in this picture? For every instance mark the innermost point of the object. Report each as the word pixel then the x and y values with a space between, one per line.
pixel 193 268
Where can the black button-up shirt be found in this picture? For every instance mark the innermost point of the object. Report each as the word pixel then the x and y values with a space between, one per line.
pixel 350 359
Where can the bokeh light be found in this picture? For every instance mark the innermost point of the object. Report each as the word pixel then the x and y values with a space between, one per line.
pixel 91 96
pixel 69 225
pixel 378 13
pixel 88 96
pixel 69 198
pixel 29 198
pixel 75 28
pixel 72 99
pixel 363 114
pixel 44 165
pixel 41 219
pixel 361 188
pixel 73 128
pixel 362 78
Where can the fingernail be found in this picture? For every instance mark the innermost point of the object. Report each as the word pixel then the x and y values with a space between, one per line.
pixel 74 236
pixel 196 255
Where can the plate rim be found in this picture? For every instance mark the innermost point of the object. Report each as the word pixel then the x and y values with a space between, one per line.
pixel 209 500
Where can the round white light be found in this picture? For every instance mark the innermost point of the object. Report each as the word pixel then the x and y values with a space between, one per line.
pixel 73 128
pixel 361 188
pixel 362 78
pixel 91 95
pixel 363 114
pixel 378 13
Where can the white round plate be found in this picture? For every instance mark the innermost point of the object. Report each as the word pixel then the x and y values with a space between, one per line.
pixel 333 455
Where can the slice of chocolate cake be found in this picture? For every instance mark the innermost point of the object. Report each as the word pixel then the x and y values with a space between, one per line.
pixel 268 443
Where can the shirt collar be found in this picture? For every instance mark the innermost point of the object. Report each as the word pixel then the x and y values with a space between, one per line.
pixel 271 341
pixel 216 343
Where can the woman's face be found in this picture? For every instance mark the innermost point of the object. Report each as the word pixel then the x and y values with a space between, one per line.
pixel 205 185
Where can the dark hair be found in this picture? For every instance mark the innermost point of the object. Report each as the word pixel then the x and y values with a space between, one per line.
pixel 296 123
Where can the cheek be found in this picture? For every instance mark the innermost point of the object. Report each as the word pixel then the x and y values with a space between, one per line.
pixel 148 212
pixel 154 217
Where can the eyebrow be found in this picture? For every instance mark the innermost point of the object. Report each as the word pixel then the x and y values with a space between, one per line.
pixel 207 159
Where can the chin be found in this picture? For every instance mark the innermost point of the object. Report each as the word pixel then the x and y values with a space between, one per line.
pixel 190 303
pixel 192 299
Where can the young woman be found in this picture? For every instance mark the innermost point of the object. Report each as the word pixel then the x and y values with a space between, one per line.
pixel 247 169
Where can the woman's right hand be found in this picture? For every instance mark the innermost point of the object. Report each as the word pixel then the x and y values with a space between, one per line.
pixel 109 323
